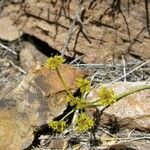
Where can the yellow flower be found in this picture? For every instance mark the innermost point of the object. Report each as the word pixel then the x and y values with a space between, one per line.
pixel 58 126
pixel 78 103
pixel 83 84
pixel 54 62
pixel 83 123
pixel 106 96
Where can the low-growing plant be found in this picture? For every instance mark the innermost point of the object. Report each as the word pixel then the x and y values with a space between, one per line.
pixel 83 122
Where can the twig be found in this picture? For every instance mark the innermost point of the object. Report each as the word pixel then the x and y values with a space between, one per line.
pixel 7 48
pixel 130 133
pixel 93 76
pixel 100 65
pixel 136 68
pixel 106 132
pixel 83 29
pixel 103 77
pixel 17 67
pixel 124 68
pixel 76 114
pixel 70 32
pixel 134 139
pixel 75 60
pixel 147 16
pixel 66 132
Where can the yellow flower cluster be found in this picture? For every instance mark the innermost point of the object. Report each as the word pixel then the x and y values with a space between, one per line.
pixel 84 123
pixel 58 126
pixel 83 85
pixel 106 96
pixel 54 62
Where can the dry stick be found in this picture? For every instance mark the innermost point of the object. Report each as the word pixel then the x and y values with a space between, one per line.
pixel 85 32
pixel 7 48
pixel 106 132
pixel 136 68
pixel 129 140
pixel 103 77
pixel 124 68
pixel 70 32
pixel 129 135
pixel 134 139
pixel 75 60
pixel 126 140
pixel 100 65
pixel 75 116
pixel 17 67
pixel 93 76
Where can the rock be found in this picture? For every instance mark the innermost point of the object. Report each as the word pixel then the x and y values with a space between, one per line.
pixel 58 144
pixel 132 111
pixel 80 147
pixel 17 1
pixel 113 27
pixel 38 98
pixel 8 31
pixel 30 57
pixel 129 146
pixel 76 147
pixel 138 49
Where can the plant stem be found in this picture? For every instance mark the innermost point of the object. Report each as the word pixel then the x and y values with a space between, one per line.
pixel 132 91
pixel 68 114
pixel 144 87
pixel 63 82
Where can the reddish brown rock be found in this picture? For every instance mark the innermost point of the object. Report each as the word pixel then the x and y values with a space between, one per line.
pixel 38 98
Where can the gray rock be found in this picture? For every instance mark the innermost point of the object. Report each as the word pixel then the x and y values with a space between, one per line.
pixel 8 31
pixel 30 57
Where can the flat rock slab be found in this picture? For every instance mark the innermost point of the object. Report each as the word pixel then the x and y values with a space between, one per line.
pixel 38 98
pixel 8 30
pixel 132 111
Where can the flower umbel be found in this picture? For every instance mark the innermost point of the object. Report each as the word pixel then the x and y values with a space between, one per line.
pixel 106 96
pixel 84 85
pixel 78 102
pixel 84 123
pixel 54 62
pixel 58 126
